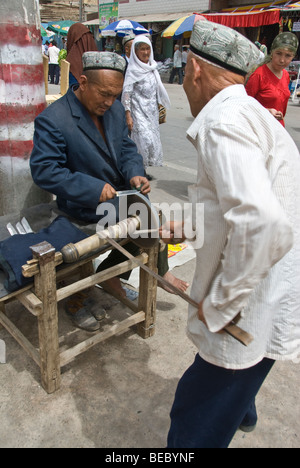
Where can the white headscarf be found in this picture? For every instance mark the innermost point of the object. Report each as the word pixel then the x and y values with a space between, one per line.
pixel 138 71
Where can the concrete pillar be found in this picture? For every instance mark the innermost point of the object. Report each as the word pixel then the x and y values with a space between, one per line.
pixel 22 98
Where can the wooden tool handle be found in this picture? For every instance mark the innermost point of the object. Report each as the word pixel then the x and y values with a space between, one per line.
pixel 73 252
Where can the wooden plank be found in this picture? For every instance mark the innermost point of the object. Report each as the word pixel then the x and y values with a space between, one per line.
pixel 31 302
pixel 45 290
pixel 68 355
pixel 148 296
pixel 86 283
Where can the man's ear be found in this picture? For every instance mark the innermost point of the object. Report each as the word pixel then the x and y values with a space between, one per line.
pixel 83 81
pixel 196 67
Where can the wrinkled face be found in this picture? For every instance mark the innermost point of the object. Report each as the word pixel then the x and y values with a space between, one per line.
pixel 99 89
pixel 143 52
pixel 281 58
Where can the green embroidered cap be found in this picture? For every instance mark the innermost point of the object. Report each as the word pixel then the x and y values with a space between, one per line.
pixel 224 46
pixel 103 61
pixel 286 40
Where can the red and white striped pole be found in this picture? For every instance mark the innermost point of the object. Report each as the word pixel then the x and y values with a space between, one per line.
pixel 22 98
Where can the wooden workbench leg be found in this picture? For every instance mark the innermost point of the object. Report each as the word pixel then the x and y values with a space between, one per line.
pixel 148 295
pixel 45 290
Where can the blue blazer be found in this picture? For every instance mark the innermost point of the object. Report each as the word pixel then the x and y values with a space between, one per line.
pixel 71 159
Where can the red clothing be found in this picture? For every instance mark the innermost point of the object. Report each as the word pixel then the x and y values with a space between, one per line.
pixel 270 91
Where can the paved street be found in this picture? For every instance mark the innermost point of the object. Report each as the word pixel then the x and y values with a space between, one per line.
pixel 119 393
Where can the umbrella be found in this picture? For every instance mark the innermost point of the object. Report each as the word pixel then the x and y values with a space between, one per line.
pixel 45 33
pixel 182 27
pixel 61 27
pixel 123 27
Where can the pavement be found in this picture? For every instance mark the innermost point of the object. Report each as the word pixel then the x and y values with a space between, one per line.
pixel 119 393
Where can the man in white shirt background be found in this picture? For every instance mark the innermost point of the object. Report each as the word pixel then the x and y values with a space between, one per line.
pixel 248 268
pixel 53 53
pixel 177 66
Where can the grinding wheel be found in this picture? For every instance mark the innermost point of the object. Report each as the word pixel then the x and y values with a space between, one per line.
pixel 139 205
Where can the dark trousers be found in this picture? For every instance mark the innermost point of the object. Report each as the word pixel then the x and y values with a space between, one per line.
pixel 211 403
pixel 54 73
pixel 174 72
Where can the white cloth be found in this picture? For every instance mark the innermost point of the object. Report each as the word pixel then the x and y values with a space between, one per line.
pixel 177 59
pixel 53 53
pixel 142 92
pixel 138 71
pixel 141 100
pixel 248 181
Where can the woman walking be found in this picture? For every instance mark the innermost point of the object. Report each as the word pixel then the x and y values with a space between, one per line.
pixel 142 93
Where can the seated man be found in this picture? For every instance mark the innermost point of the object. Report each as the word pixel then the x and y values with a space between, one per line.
pixel 83 155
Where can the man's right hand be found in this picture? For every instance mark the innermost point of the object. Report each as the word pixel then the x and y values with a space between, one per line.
pixel 108 193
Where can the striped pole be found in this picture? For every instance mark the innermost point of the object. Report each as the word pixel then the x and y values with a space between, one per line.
pixel 22 98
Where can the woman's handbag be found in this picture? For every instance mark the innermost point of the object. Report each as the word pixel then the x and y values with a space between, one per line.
pixel 162 114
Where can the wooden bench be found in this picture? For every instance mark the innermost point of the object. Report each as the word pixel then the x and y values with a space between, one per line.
pixel 42 296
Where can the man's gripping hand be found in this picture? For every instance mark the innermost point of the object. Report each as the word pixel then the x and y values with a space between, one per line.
pixel 108 193
pixel 141 183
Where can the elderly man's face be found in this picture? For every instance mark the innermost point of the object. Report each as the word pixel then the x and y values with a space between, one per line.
pixel 99 90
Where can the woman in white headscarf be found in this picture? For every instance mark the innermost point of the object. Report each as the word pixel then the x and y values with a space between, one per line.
pixel 143 91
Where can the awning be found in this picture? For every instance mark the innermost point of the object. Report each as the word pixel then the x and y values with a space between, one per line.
pixel 150 18
pixel 292 7
pixel 249 16
pixel 245 20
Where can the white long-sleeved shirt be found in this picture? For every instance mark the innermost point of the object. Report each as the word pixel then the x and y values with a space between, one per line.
pixel 249 183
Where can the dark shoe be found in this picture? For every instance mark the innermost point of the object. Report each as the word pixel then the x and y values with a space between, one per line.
pixel 247 428
pixel 250 420
pixel 85 312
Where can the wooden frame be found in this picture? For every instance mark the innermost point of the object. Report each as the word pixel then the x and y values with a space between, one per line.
pixel 42 297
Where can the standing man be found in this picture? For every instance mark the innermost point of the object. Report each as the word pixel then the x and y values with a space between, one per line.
pixel 248 268
pixel 184 57
pixel 53 53
pixel 177 66
pixel 127 45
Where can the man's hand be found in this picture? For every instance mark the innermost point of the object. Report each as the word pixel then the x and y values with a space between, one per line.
pixel 277 114
pixel 172 232
pixel 108 193
pixel 141 183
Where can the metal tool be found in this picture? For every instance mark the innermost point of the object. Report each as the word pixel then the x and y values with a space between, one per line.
pixel 22 227
pixel 125 193
pixel 232 329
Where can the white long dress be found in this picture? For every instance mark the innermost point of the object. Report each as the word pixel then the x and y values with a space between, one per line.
pixel 141 99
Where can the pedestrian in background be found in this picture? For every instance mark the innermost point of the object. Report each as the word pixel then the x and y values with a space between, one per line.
pixel 143 91
pixel 80 40
pixel 269 83
pixel 54 71
pixel 177 66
